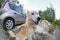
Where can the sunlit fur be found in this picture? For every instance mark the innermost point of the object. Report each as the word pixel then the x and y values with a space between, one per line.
pixel 27 29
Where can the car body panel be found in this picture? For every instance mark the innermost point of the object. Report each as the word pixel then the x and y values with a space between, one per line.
pixel 18 17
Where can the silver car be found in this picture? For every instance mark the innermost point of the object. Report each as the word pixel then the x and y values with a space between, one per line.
pixel 11 15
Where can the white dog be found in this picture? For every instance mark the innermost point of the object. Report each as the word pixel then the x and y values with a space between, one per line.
pixel 27 29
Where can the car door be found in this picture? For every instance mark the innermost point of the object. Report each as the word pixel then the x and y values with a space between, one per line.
pixel 19 14
pixel 19 17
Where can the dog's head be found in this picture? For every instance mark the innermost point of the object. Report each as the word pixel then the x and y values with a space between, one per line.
pixel 34 16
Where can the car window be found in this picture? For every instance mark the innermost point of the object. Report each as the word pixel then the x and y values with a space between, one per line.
pixel 11 6
pixel 16 8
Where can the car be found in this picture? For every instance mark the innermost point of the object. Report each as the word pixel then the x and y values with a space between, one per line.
pixel 11 15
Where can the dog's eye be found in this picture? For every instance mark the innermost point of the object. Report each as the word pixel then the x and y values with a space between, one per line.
pixel 32 13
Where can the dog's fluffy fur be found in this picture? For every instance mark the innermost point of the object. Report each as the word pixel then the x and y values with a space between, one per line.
pixel 43 27
pixel 27 30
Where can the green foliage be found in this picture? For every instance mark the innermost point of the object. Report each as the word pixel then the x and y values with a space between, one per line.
pixel 1 1
pixel 57 22
pixel 48 14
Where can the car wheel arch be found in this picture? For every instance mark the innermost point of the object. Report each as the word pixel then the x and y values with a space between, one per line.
pixel 8 18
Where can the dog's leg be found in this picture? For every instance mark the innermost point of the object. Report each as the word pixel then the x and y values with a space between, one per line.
pixel 20 39
pixel 11 34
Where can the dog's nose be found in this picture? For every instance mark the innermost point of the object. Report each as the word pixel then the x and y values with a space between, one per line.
pixel 38 18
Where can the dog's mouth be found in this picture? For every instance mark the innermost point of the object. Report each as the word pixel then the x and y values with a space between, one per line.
pixel 36 22
pixel 38 19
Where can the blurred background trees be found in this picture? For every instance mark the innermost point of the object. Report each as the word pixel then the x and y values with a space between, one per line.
pixel 1 2
pixel 48 14
pixel 57 22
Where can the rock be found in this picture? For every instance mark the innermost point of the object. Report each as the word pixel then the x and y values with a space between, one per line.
pixel 56 33
pixel 41 32
pixel 45 24
pixel 40 36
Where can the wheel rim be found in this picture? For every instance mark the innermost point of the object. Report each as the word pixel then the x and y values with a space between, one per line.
pixel 9 24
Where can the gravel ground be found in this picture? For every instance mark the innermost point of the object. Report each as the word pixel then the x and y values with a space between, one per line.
pixel 56 34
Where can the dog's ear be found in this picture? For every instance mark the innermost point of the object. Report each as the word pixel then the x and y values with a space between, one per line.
pixel 27 13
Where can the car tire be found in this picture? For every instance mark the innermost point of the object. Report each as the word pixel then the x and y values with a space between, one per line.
pixel 8 24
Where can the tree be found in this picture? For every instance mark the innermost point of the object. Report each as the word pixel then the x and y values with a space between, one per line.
pixel 48 14
pixel 57 22
pixel 1 1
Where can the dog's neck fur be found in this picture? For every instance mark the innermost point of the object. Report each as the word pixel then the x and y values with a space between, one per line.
pixel 30 23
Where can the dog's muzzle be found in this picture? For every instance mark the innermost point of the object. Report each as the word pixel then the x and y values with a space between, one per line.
pixel 38 19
